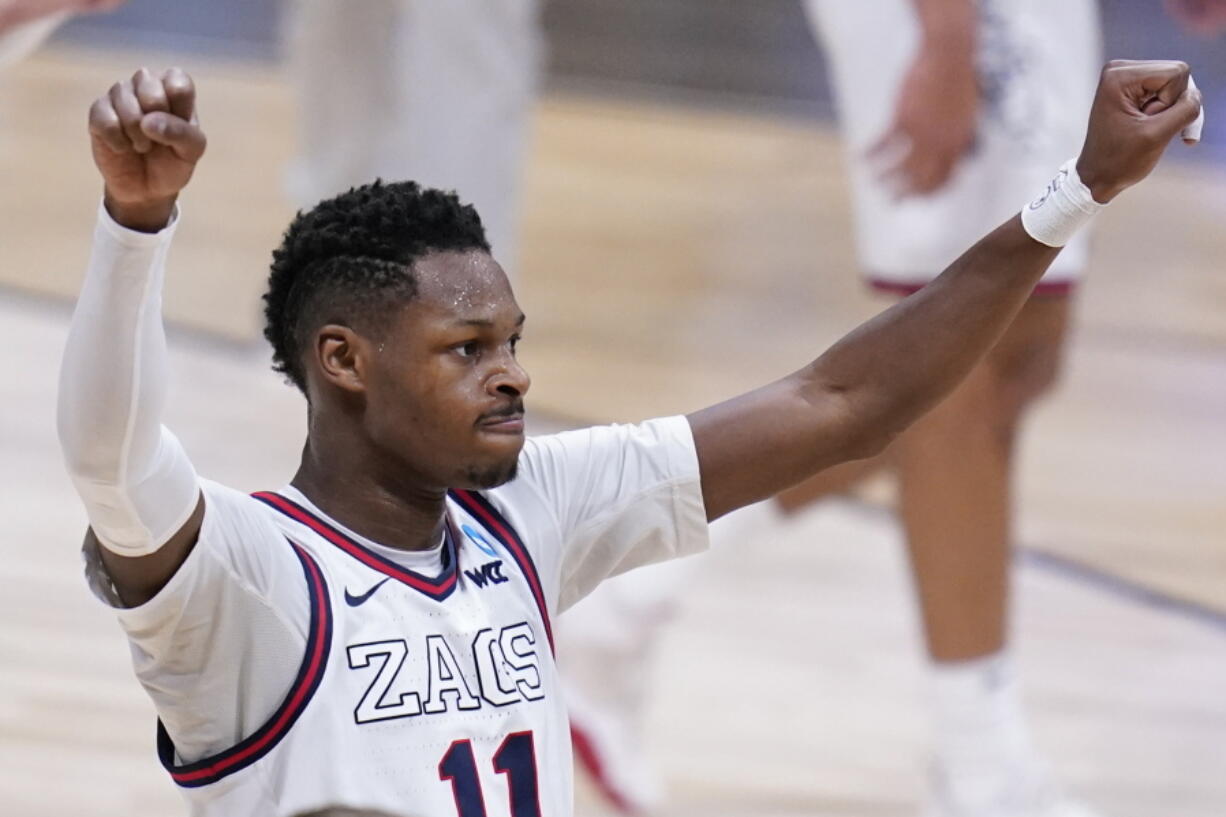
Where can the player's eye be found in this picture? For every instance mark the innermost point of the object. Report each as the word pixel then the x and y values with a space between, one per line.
pixel 515 339
pixel 468 349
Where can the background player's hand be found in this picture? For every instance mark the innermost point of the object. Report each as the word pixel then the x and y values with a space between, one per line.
pixel 16 12
pixel 146 140
pixel 1207 17
pixel 1138 109
pixel 934 122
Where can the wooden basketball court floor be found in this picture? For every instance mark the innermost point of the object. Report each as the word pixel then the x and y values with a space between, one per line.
pixel 672 257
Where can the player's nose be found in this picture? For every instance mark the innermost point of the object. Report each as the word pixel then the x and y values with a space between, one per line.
pixel 510 379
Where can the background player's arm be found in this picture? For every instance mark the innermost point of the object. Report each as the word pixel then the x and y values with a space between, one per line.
pixel 1204 17
pixel 16 12
pixel 854 399
pixel 141 493
pixel 937 104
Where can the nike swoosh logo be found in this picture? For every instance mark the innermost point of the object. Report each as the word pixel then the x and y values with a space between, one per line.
pixel 355 601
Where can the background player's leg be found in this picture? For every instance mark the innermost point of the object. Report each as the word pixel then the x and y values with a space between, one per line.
pixel 440 93
pixel 837 480
pixel 955 469
pixel 955 473
pixel 339 60
pixel 467 73
pixel 607 649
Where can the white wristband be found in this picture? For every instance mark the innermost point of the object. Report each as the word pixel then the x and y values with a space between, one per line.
pixel 1055 216
pixel 1192 132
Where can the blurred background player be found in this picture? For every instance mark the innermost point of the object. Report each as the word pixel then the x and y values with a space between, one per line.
pixel 950 110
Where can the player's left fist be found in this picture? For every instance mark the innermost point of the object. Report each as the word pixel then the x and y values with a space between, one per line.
pixel 146 140
pixel 1138 109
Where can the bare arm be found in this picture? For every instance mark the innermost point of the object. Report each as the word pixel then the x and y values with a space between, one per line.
pixel 937 105
pixel 868 387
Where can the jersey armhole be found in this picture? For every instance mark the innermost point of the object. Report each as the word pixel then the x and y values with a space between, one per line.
pixel 266 737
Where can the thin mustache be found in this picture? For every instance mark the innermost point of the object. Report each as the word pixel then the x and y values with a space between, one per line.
pixel 515 409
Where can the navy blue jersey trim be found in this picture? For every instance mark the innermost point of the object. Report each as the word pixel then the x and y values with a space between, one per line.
pixel 437 588
pixel 492 520
pixel 263 740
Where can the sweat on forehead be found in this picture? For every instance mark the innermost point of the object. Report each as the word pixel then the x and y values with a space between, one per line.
pixel 463 281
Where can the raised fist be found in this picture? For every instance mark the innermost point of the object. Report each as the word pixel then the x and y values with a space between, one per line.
pixel 146 140
pixel 1138 109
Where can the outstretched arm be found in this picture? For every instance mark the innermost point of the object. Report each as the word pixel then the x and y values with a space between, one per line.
pixel 854 399
pixel 139 489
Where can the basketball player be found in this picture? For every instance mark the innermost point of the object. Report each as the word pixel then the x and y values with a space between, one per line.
pixel 950 110
pixel 443 93
pixel 379 630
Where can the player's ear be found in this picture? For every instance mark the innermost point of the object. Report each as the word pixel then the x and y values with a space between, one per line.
pixel 342 355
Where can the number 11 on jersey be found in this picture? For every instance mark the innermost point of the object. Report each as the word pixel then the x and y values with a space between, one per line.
pixel 516 758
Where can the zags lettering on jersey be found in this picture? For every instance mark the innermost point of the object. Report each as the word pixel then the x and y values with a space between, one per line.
pixel 499 668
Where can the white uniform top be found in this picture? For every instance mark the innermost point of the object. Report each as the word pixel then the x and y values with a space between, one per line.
pixel 295 665
pixel 1037 66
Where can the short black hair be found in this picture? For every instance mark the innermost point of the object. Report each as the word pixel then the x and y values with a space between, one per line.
pixel 350 259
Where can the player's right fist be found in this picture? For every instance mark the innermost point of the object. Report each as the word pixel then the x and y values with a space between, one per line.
pixel 1137 111
pixel 146 141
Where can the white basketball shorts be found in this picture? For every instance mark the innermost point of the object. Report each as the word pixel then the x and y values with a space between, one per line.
pixel 1038 65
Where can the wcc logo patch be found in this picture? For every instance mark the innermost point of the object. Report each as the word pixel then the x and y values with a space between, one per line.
pixel 477 538
pixel 488 573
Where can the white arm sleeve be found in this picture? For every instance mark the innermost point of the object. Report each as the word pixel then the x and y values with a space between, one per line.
pixel 135 480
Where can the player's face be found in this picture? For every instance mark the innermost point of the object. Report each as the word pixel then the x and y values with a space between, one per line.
pixel 445 395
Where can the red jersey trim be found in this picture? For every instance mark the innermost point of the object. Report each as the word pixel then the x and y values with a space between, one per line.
pixel 483 511
pixel 437 588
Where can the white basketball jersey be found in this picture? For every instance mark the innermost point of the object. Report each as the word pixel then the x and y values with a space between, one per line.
pixel 417 695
